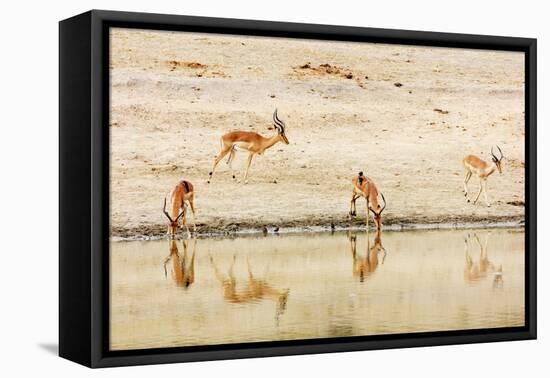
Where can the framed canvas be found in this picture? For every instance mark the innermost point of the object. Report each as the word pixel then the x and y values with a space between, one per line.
pixel 217 178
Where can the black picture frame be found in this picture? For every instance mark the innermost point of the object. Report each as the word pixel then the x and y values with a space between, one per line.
pixel 84 187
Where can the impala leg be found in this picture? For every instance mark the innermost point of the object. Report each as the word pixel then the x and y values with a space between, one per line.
pixel 230 162
pixel 484 184
pixel 353 245
pixel 217 272
pixel 250 156
pixel 468 259
pixel 486 242
pixel 223 152
pixel 192 267
pixel 166 262
pixel 230 271
pixel 480 189
pixel 467 176
pixel 192 204
pixel 367 216
pixel 184 223
pixel 352 207
pixel 250 275
pixel 184 260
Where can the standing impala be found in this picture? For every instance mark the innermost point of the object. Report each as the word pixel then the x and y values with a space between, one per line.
pixel 482 169
pixel 182 192
pixel 248 141
pixel 363 186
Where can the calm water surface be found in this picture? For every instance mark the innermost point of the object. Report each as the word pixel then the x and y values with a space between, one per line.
pixel 216 291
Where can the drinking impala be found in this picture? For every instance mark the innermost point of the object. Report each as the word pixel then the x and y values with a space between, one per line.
pixel 179 196
pixel 363 186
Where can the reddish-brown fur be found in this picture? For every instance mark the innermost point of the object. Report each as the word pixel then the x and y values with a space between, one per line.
pixel 183 274
pixel 476 271
pixel 474 165
pixel 181 193
pixel 254 290
pixel 364 267
pixel 249 141
pixel 363 186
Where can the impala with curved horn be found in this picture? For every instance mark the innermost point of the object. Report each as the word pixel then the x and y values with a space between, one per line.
pixel 482 169
pixel 363 186
pixel 248 141
pixel 183 192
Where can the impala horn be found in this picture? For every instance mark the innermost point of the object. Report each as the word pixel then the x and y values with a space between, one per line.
pixel 165 212
pixel 168 215
pixel 279 125
pixel 494 156
pixel 384 203
pixel 501 154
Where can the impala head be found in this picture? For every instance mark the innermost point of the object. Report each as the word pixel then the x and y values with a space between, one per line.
pixel 360 178
pixel 497 160
pixel 280 127
pixel 377 210
pixel 173 223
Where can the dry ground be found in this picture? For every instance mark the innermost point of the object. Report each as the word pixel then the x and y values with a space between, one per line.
pixel 404 115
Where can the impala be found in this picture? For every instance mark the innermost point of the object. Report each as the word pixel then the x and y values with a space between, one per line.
pixel 183 271
pixel 364 267
pixel 363 186
pixel 482 169
pixel 254 290
pixel 183 192
pixel 476 271
pixel 248 141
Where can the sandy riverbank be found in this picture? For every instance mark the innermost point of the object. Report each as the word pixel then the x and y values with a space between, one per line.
pixel 404 115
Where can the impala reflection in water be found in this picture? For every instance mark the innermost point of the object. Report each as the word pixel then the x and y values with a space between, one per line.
pixel 364 266
pixel 183 270
pixel 169 293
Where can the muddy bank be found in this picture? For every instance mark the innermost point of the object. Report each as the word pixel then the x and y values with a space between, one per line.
pixel 235 227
